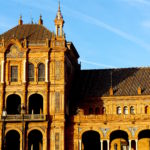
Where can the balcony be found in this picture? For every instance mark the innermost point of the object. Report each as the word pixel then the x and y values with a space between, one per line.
pixel 112 118
pixel 26 117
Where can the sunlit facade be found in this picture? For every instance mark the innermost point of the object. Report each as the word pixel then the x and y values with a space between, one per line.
pixel 48 103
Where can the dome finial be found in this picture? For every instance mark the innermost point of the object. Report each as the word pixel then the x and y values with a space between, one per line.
pixel 20 20
pixel 40 20
pixel 59 5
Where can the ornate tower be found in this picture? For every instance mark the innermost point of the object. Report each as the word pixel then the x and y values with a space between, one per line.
pixel 59 22
pixel 63 63
pixel 57 85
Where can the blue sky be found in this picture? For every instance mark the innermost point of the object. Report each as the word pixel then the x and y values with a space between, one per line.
pixel 106 33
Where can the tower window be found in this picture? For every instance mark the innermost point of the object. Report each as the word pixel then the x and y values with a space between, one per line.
pixel 41 72
pixel 14 73
pixel 31 72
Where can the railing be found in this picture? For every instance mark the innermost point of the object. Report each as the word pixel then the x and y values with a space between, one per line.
pixel 112 117
pixel 26 117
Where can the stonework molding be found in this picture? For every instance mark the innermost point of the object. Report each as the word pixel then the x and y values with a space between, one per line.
pixel 41 129
pixel 104 131
pixel 14 52
pixel 19 130
pixel 133 130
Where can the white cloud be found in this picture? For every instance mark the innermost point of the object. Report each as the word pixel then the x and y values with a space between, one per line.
pixel 146 24
pixel 145 2
pixel 117 31
pixel 96 64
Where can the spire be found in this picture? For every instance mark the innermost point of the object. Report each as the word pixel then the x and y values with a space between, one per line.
pixel 59 15
pixel 40 20
pixel 59 22
pixel 20 20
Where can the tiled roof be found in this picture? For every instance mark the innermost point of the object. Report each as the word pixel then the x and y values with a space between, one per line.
pixel 125 82
pixel 32 32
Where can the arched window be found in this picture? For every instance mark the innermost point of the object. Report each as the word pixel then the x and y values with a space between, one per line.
pixel 118 110
pixel 41 72
pixel 125 110
pixel 132 111
pixel 146 109
pixel 97 110
pixel 115 146
pixel 90 110
pixel 30 72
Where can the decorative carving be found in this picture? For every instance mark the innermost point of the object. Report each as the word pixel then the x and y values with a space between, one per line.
pixel 79 129
pixel 58 70
pixel 14 52
pixel 57 102
pixel 104 130
pixel 132 130
pixel 57 137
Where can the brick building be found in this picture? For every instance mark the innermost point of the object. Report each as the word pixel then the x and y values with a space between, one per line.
pixel 48 103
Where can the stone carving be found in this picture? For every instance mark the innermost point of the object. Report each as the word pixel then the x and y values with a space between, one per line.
pixel 58 70
pixel 14 52
pixel 57 137
pixel 104 130
pixel 132 130
pixel 79 129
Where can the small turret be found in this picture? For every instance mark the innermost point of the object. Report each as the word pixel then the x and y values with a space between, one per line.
pixel 20 20
pixel 40 20
pixel 59 22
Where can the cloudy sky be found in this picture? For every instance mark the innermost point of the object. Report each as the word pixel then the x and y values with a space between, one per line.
pixel 106 33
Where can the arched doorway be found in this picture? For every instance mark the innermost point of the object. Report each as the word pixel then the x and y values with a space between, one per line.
pixel 144 139
pixel 35 139
pixel 13 104
pixel 119 140
pixel 91 140
pixel 12 140
pixel 36 104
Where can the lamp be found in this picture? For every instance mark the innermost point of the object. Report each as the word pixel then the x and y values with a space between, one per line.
pixel 4 113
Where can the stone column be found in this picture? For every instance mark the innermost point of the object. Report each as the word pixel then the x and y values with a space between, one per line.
pixel 46 72
pixel 129 144
pixel 107 144
pixel 2 71
pixel 136 143
pixel 101 144
pixel 80 145
pixel 24 73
